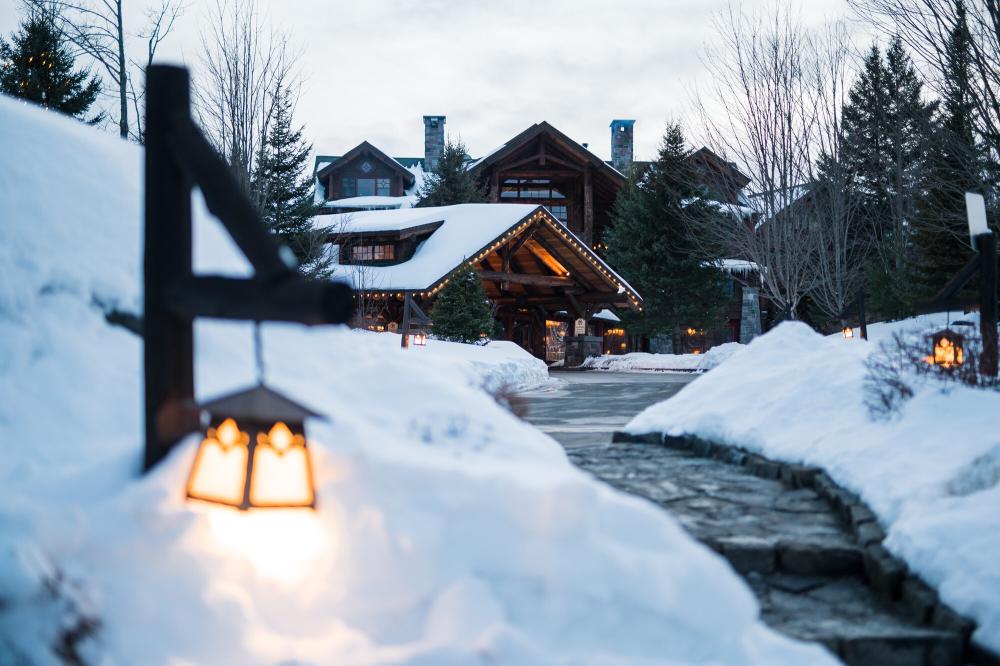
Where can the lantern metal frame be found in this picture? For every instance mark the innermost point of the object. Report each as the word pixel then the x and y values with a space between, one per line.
pixel 256 412
pixel 955 340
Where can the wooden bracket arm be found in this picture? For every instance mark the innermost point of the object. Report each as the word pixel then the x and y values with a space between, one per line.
pixel 294 299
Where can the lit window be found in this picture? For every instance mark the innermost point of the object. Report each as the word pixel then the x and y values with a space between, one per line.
pixel 373 253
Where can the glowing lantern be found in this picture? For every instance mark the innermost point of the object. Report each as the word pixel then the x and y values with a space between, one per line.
pixel 255 456
pixel 948 349
pixel 420 339
pixel 848 332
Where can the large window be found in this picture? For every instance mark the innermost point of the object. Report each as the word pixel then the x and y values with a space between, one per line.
pixel 535 188
pixel 373 253
pixel 365 187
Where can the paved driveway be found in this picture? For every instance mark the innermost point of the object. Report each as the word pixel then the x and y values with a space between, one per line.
pixel 585 408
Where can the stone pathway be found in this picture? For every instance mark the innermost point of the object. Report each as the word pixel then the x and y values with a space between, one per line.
pixel 807 571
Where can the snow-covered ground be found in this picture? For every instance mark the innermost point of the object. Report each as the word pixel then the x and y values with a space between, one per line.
pixel 447 531
pixel 643 362
pixel 931 474
pixel 498 366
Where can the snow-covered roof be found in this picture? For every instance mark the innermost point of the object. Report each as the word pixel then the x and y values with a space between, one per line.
pixel 370 203
pixel 463 232
pixel 606 315
pixel 735 265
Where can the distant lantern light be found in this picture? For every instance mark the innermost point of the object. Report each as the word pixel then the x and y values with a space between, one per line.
pixel 255 456
pixel 420 339
pixel 947 349
pixel 847 332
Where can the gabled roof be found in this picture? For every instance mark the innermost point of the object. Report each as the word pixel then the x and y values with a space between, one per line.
pixel 464 234
pixel 545 128
pixel 365 147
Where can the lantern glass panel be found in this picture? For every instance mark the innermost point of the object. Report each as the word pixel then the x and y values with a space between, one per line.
pixel 220 466
pixel 281 479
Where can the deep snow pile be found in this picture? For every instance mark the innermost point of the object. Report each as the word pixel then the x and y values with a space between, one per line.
pixel 447 531
pixel 931 474
pixel 643 362
pixel 498 366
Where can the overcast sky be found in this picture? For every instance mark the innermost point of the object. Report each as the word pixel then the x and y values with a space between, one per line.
pixel 373 68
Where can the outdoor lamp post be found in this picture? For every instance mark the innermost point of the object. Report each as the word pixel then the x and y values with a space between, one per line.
pixel 420 339
pixel 847 332
pixel 254 455
pixel 947 350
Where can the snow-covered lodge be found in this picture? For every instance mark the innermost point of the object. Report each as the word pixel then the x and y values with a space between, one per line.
pixel 536 244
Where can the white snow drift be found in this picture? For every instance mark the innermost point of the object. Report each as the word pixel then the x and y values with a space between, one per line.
pixel 932 474
pixel 644 362
pixel 447 531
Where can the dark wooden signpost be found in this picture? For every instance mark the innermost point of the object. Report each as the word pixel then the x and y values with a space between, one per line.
pixel 179 157
pixel 985 263
pixel 413 319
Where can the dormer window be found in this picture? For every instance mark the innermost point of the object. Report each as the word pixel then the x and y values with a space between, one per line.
pixel 385 252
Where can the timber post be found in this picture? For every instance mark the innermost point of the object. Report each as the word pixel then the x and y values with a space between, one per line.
pixel 178 157
pixel 168 337
pixel 986 245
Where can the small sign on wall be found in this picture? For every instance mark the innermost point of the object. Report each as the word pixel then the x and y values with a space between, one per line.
pixel 580 327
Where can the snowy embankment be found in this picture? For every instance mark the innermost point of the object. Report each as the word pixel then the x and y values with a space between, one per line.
pixel 931 474
pixel 499 366
pixel 446 531
pixel 643 362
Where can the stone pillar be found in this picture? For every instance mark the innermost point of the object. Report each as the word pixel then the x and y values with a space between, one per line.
pixel 621 144
pixel 433 141
pixel 750 315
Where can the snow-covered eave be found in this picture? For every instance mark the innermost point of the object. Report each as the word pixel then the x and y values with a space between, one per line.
pixel 540 213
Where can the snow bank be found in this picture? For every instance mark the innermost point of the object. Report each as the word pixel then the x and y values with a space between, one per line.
pixel 498 366
pixel 447 531
pixel 931 475
pixel 643 362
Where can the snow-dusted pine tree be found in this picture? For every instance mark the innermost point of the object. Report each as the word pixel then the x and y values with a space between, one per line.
pixel 283 189
pixel 38 66
pixel 886 126
pixel 957 163
pixel 451 183
pixel 462 312
pixel 648 243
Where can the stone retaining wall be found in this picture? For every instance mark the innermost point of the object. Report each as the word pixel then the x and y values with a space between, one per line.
pixel 888 575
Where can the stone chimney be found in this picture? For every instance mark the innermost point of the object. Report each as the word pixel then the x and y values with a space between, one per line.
pixel 433 141
pixel 621 144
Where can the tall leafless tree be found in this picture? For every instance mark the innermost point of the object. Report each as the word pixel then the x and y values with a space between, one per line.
pixel 245 63
pixel 760 111
pixel 841 245
pixel 926 27
pixel 97 29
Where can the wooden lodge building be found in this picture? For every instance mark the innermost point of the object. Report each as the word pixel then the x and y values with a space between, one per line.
pixel 540 277
pixel 537 244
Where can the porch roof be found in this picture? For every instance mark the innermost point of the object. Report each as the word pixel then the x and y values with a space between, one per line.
pixel 552 263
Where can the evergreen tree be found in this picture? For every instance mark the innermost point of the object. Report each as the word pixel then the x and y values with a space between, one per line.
pixel 38 67
pixel 283 189
pixel 886 127
pixel 450 183
pixel 648 243
pixel 462 312
pixel 956 164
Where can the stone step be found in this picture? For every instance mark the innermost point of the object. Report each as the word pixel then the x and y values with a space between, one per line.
pixel 843 614
pixel 808 558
